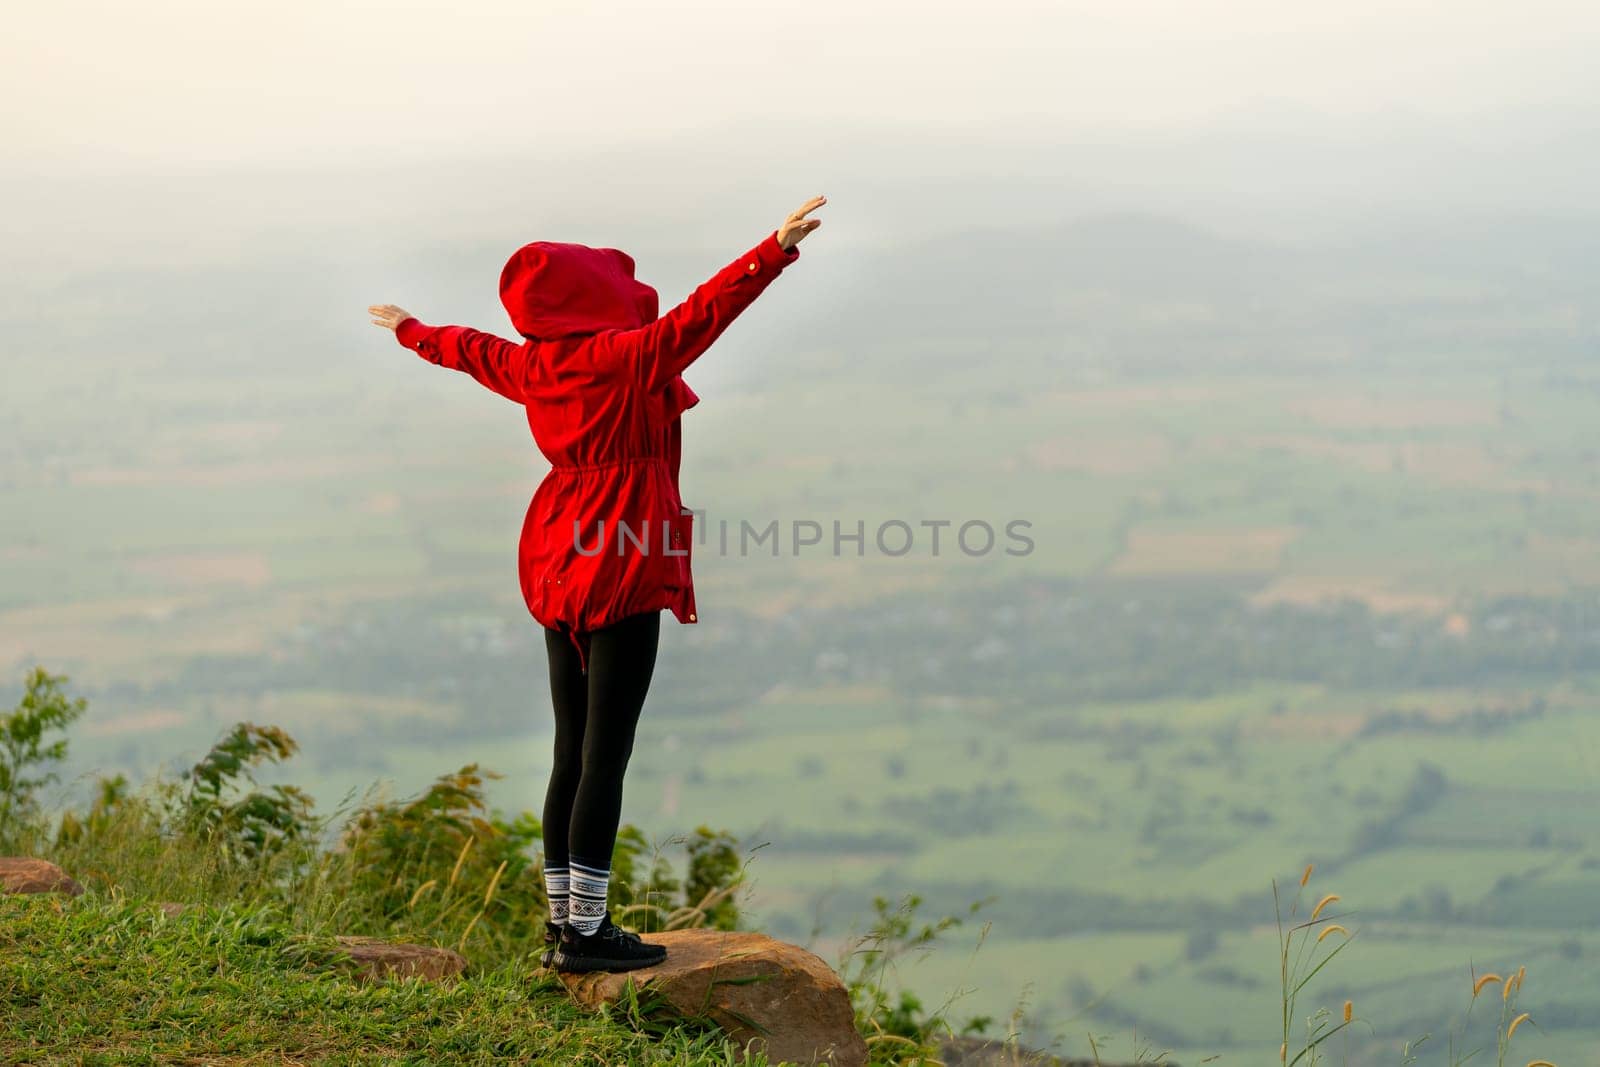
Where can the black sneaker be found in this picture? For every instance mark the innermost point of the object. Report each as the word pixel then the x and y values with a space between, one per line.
pixel 609 948
pixel 552 936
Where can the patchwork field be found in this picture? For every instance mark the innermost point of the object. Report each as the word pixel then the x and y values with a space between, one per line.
pixel 1310 602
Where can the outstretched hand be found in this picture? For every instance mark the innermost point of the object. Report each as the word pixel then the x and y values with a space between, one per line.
pixel 388 315
pixel 796 226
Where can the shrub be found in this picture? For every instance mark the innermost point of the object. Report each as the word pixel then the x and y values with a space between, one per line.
pixel 43 708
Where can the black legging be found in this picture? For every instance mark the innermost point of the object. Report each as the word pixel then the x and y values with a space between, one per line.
pixel 596 714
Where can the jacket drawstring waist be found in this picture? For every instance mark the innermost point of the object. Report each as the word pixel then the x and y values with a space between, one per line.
pixel 628 461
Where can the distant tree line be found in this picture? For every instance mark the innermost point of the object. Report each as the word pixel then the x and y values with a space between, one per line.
pixel 1030 644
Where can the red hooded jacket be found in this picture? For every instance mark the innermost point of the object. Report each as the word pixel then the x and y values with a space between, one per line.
pixel 599 375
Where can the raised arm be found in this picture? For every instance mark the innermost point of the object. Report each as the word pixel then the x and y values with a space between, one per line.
pixel 665 347
pixel 494 362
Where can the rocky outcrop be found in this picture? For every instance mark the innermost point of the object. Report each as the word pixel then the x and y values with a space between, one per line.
pixel 374 960
pixel 767 994
pixel 24 874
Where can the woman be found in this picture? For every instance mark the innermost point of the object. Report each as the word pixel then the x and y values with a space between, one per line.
pixel 605 542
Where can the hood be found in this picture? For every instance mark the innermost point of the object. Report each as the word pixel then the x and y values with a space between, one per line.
pixel 554 289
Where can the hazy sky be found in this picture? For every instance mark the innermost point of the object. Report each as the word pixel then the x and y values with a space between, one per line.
pixel 187 130
pixel 174 83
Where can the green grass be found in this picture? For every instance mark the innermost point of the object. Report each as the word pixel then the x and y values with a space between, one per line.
pixel 102 980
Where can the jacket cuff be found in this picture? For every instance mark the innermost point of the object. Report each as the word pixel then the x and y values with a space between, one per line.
pixel 771 257
pixel 410 331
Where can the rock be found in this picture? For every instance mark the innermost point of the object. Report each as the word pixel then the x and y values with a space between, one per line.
pixel 795 1010
pixel 23 874
pixel 375 960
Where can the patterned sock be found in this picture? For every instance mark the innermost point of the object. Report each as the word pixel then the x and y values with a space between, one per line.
pixel 555 890
pixel 588 896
